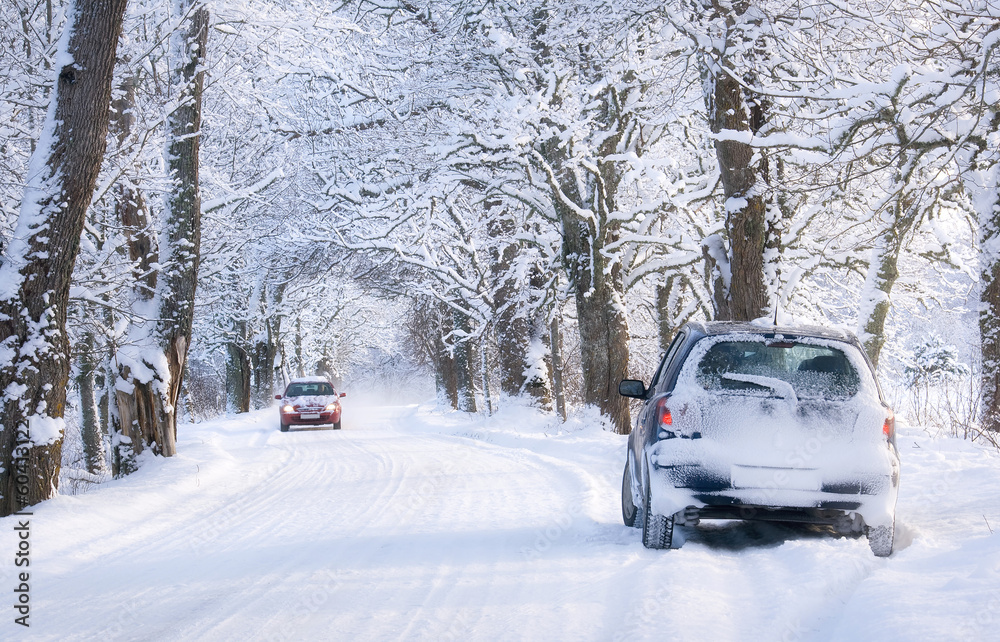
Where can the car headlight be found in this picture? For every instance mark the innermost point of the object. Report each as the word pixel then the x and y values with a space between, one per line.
pixel 331 407
pixel 287 409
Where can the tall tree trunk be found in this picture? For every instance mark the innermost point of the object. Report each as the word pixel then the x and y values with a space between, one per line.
pixel 465 363
pixel 91 430
pixel 583 199
pixel 445 370
pixel 989 317
pixel 733 112
pixel 874 307
pixel 134 390
pixel 511 327
pixel 238 371
pixel 38 264
pixel 555 348
pixel 518 336
pixel 265 352
pixel 600 315
pixel 743 183
pixel 154 402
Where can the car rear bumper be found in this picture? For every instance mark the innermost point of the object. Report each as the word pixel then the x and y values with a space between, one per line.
pixel 775 493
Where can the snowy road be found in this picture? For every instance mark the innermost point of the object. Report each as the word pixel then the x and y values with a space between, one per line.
pixel 414 525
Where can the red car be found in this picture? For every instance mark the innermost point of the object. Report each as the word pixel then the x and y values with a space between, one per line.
pixel 309 401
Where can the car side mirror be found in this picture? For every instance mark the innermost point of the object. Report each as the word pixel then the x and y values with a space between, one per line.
pixel 343 394
pixel 277 396
pixel 632 388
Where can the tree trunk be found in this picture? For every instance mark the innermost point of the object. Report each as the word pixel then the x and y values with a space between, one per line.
pixel 238 371
pixel 601 317
pixel 132 394
pixel 38 264
pixel 183 223
pixel 266 351
pixel 743 184
pixel 149 410
pixel 510 324
pixel 262 363
pixel 465 364
pixel 882 275
pixel 989 319
pixel 91 430
pixel 446 372
pixel 555 347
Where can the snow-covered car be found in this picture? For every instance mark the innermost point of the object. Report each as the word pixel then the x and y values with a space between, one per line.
pixel 762 423
pixel 309 401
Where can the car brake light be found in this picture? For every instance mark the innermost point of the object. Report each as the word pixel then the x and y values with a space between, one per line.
pixel 889 426
pixel 663 416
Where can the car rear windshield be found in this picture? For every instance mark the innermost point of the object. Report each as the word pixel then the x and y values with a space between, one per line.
pixel 309 389
pixel 813 371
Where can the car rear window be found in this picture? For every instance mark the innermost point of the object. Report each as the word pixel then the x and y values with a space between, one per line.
pixel 813 371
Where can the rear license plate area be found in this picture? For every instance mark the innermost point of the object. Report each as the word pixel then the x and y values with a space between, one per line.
pixel 777 478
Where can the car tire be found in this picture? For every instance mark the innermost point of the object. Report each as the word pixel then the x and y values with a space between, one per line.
pixel 336 426
pixel 629 509
pixel 880 539
pixel 657 530
pixel 284 427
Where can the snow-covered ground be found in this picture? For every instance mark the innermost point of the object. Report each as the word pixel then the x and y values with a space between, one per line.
pixel 415 524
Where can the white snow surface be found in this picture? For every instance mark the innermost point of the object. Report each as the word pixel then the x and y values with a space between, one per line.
pixel 418 524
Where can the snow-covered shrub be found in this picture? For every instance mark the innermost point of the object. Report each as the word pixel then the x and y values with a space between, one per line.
pixel 942 390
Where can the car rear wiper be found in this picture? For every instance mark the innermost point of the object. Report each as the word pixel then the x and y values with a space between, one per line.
pixel 782 388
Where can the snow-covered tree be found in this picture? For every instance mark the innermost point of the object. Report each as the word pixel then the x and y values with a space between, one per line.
pixel 38 262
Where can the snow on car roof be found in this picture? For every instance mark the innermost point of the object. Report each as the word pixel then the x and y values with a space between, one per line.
pixel 311 379
pixel 734 327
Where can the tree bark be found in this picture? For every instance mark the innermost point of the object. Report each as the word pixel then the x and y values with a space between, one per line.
pixel 882 275
pixel 148 411
pixel 38 265
pixel 132 396
pixel 465 363
pixel 263 359
pixel 446 372
pixel 600 315
pixel 989 319
pixel 746 209
pixel 91 430
pixel 238 371
pixel 555 348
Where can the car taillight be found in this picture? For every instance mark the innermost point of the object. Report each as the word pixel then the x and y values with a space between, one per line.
pixel 664 420
pixel 663 416
pixel 889 426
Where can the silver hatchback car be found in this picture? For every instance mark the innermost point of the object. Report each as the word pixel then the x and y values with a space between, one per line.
pixel 762 423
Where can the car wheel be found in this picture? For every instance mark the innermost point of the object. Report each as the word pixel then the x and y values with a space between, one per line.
pixel 284 427
pixel 657 530
pixel 629 508
pixel 336 426
pixel 880 539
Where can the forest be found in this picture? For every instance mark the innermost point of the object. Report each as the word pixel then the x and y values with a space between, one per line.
pixel 478 199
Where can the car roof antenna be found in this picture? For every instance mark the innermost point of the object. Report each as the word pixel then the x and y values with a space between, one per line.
pixel 776 310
